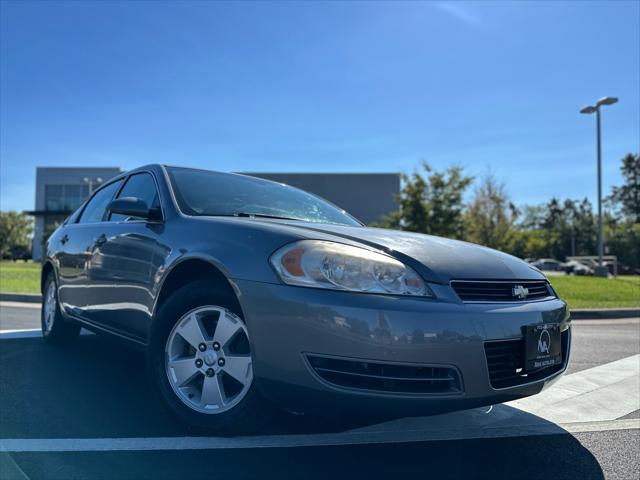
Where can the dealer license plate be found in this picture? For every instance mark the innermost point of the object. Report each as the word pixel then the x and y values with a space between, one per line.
pixel 543 347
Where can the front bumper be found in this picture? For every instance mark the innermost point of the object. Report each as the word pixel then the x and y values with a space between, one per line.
pixel 286 322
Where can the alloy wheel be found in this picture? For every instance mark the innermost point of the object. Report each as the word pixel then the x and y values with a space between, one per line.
pixel 49 313
pixel 208 359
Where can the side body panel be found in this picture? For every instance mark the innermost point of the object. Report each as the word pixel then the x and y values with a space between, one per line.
pixel 123 276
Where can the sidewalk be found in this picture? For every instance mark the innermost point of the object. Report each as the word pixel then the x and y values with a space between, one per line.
pixel 602 313
pixel 21 297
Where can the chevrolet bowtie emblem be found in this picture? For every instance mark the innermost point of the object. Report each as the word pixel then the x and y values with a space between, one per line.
pixel 519 291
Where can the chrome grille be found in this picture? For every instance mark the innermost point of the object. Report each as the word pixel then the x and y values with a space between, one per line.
pixel 501 291
pixel 386 377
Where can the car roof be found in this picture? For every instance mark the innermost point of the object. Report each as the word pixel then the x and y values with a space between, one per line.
pixel 159 167
pixel 219 172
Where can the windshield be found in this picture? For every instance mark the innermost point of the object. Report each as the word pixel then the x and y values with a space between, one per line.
pixel 200 192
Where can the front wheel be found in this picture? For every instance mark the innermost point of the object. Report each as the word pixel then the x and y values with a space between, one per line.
pixel 200 359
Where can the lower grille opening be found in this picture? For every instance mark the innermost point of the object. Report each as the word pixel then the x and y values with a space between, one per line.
pixel 505 360
pixel 386 377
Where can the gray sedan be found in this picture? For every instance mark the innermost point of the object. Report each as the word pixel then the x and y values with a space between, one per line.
pixel 246 293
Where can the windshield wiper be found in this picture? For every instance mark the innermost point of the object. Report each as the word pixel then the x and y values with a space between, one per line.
pixel 262 215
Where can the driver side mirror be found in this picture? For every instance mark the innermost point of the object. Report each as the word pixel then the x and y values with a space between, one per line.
pixel 132 207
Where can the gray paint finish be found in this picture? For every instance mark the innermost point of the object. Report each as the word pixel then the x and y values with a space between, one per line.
pixel 366 196
pixel 111 275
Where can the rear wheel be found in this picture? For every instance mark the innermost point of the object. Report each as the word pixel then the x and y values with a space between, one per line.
pixel 200 359
pixel 55 329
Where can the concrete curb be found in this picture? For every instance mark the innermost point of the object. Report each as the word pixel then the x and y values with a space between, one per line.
pixel 604 313
pixel 576 314
pixel 21 297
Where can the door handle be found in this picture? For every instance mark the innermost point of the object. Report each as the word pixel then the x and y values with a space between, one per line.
pixel 64 239
pixel 101 240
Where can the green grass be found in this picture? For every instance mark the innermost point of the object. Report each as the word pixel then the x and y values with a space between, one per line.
pixel 20 277
pixel 591 292
pixel 578 292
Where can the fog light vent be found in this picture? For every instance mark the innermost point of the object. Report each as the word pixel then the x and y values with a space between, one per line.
pixel 386 377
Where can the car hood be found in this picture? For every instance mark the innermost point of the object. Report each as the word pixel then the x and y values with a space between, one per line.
pixel 437 259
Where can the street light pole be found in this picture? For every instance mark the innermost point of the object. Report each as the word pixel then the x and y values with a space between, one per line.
pixel 600 270
pixel 599 155
pixel 90 182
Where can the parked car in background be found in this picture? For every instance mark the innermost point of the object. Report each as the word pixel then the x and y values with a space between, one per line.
pixel 548 264
pixel 241 290
pixel 573 267
pixel 627 270
pixel 18 253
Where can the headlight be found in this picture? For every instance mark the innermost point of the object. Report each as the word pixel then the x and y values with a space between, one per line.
pixel 322 264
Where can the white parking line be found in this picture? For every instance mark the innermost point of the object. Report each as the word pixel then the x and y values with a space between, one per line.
pixel 29 333
pixel 290 441
pixel 585 401
pixel 20 333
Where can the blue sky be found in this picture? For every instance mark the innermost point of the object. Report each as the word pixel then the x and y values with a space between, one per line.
pixel 350 87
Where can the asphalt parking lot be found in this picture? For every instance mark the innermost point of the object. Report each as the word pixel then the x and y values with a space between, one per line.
pixel 86 412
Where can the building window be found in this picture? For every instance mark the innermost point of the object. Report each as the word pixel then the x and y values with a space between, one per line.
pixel 51 222
pixel 65 198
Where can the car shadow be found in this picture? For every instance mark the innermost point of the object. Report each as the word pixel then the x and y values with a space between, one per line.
pixel 92 389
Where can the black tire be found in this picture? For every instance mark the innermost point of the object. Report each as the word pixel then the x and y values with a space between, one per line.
pixel 61 331
pixel 245 417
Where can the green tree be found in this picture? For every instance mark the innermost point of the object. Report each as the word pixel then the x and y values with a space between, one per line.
pixel 528 243
pixel 585 228
pixel 533 217
pixel 48 231
pixel 432 205
pixel 491 216
pixel 566 227
pixel 623 241
pixel 553 225
pixel 15 229
pixel 628 195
